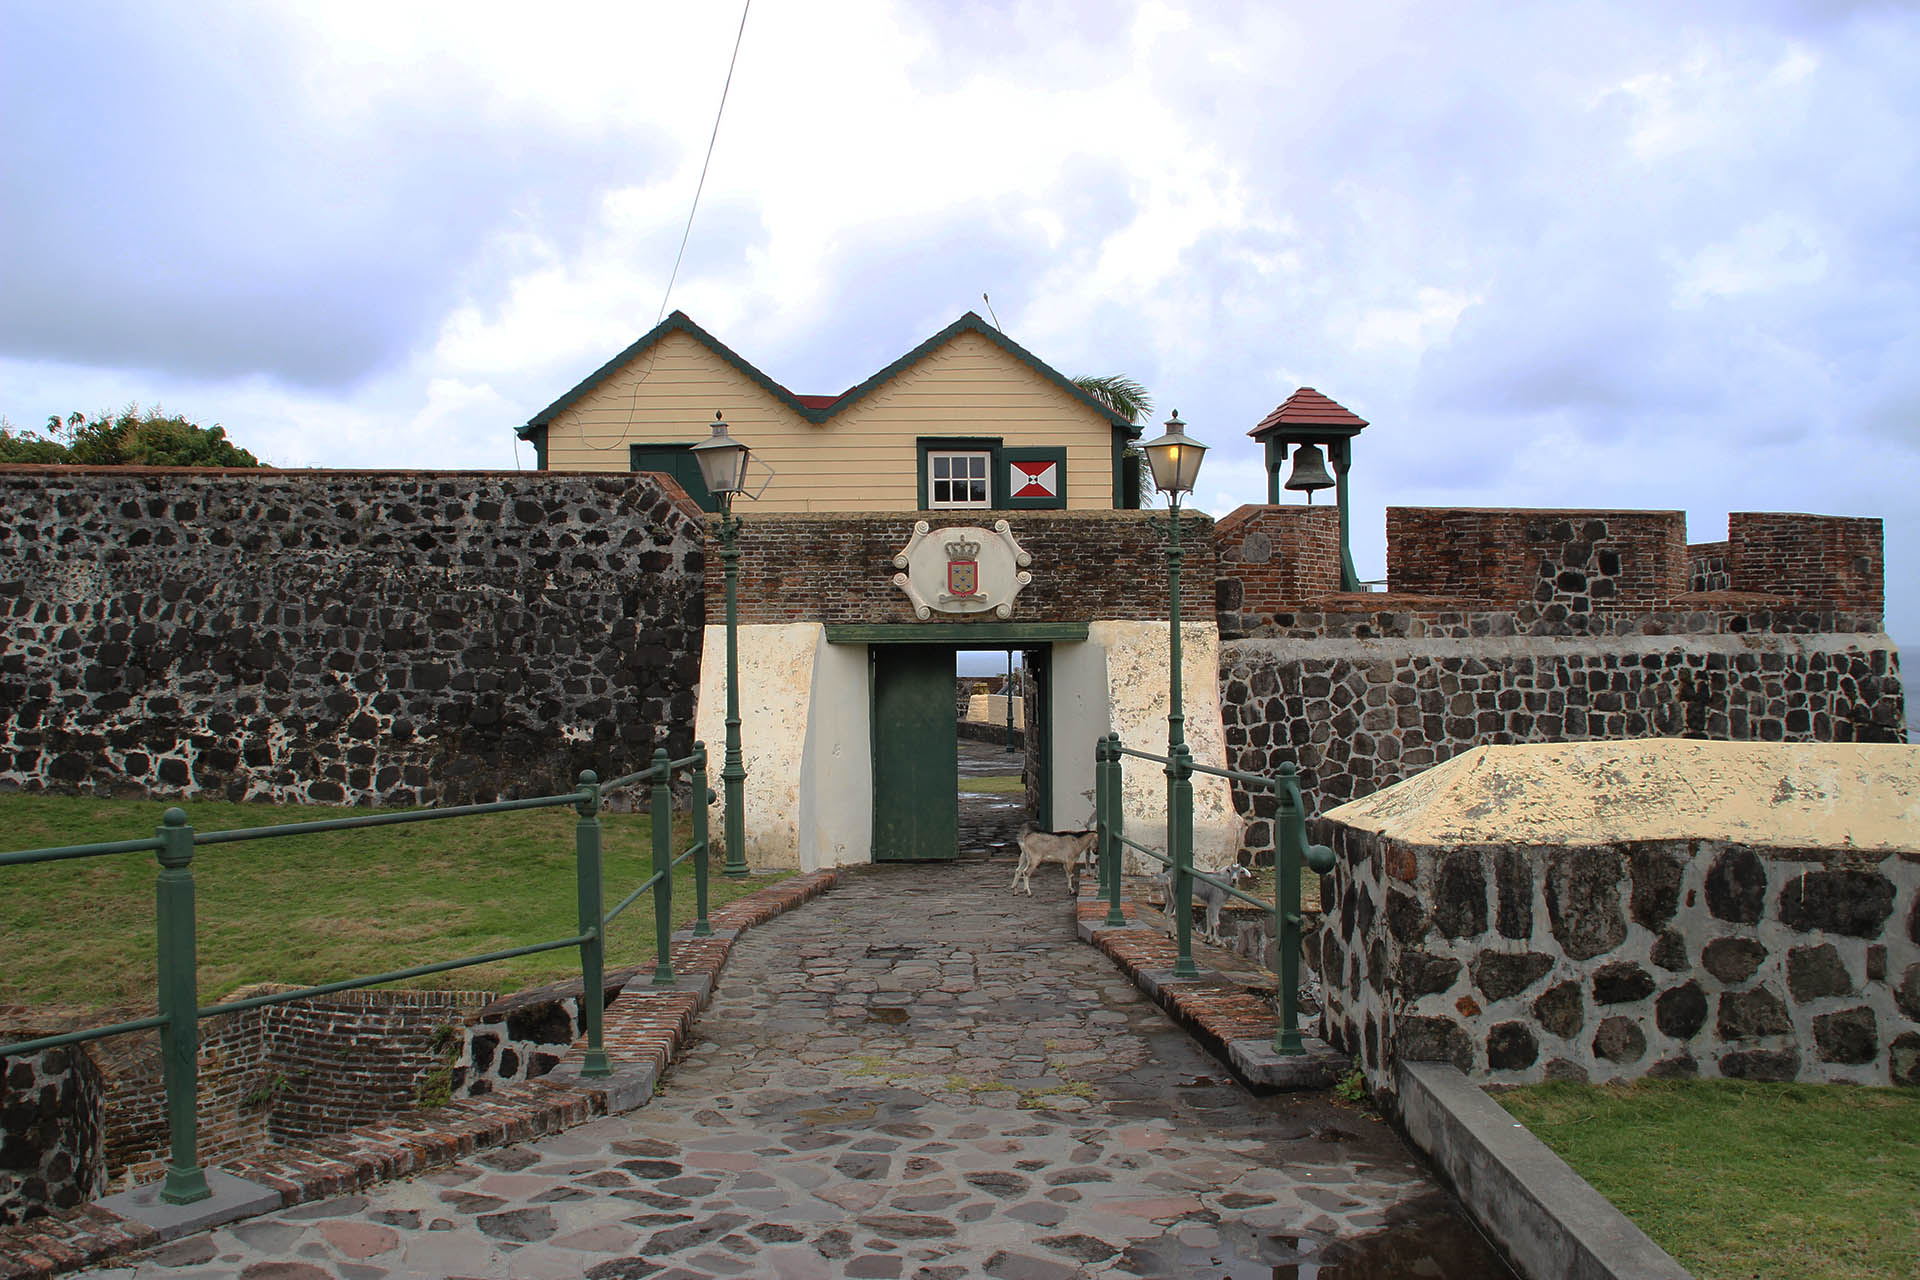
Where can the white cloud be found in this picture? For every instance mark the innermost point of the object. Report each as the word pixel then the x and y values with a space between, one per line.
pixel 1607 254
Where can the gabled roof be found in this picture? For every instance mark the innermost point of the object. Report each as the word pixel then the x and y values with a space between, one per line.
pixel 819 409
pixel 1306 410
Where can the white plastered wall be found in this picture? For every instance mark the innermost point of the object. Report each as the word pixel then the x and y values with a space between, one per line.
pixel 836 779
pixel 1137 660
pixel 805 742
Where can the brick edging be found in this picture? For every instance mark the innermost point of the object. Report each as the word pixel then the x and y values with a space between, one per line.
pixel 1214 1010
pixel 645 1026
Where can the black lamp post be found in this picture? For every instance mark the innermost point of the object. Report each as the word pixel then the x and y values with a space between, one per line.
pixel 723 465
pixel 1175 459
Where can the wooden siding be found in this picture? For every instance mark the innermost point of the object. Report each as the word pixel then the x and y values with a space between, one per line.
pixel 862 459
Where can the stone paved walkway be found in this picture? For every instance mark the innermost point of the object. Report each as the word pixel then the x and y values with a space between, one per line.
pixel 989 823
pixel 918 1075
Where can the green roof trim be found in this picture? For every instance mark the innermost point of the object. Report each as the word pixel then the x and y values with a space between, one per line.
pixel 679 322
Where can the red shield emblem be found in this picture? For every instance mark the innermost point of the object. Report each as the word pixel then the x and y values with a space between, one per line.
pixel 963 577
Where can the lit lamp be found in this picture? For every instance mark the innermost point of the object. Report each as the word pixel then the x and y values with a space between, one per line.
pixel 723 466
pixel 1175 460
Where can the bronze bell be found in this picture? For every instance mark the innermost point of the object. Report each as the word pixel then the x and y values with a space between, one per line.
pixel 1309 471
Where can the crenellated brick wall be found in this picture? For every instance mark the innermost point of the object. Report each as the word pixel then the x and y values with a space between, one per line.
pixel 1545 626
pixel 1839 560
pixel 1274 557
pixel 1623 559
pixel 1086 565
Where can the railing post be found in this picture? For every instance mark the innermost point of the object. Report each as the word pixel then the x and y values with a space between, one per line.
pixel 662 806
pixel 179 999
pixel 1180 848
pixel 702 928
pixel 1290 853
pixel 1116 827
pixel 1100 809
pixel 593 952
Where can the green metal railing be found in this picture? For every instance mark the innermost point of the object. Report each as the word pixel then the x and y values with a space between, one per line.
pixel 178 995
pixel 1291 853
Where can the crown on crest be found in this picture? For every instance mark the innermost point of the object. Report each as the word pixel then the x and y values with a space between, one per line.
pixel 962 549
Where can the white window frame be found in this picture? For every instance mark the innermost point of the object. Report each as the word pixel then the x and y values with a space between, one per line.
pixel 979 470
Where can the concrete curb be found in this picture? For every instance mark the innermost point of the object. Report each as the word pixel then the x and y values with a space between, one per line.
pixel 233 1198
pixel 1550 1221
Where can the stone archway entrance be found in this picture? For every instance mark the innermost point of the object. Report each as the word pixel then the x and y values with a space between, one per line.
pixel 919 814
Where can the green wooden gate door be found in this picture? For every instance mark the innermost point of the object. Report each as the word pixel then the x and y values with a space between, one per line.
pixel 916 756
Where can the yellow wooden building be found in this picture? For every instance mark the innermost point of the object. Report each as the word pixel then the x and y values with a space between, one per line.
pixel 969 419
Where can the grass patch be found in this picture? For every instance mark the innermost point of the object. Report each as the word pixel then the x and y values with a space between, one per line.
pixel 1738 1179
pixel 1261 887
pixel 1011 785
pixel 317 908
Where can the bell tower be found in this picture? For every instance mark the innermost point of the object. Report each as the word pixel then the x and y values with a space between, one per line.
pixel 1306 424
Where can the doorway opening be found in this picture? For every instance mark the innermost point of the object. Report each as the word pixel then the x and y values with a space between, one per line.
pixel 960 759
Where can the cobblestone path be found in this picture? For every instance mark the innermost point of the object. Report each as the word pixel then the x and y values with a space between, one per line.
pixel 919 1075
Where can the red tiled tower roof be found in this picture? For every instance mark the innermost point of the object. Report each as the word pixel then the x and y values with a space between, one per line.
pixel 1307 409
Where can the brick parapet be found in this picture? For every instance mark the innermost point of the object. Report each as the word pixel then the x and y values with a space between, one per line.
pixel 1624 559
pixel 1836 559
pixel 1272 558
pixel 1087 565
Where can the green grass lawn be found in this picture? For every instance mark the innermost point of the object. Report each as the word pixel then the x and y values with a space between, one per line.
pixel 1737 1180
pixel 1011 785
pixel 317 908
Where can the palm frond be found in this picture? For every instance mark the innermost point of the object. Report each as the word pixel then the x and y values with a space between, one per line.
pixel 1121 394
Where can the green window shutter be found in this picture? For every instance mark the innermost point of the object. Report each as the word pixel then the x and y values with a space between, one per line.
pixel 676 460
pixel 1042 466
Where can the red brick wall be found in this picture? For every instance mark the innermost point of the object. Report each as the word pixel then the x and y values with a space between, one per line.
pixel 1275 557
pixel 349 1059
pixel 1836 559
pixel 232 1108
pixel 1613 559
pixel 1087 565
pixel 278 1074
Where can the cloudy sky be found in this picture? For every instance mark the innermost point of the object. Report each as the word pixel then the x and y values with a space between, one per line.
pixel 1604 254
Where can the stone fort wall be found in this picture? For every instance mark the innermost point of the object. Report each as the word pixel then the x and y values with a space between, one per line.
pixel 1504 626
pixel 342 637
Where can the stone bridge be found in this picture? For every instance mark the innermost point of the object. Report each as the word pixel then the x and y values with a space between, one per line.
pixel 917 1074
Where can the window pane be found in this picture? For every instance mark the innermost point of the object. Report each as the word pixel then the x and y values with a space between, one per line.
pixel 979 491
pixel 941 465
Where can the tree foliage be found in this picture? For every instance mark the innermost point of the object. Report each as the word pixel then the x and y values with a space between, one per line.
pixel 1121 394
pixel 1130 400
pixel 129 438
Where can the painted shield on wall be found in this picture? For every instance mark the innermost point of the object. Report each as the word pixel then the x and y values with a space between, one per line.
pixel 963 577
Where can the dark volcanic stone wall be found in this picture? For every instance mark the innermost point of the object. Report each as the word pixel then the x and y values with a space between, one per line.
pixel 1357 715
pixel 1612 962
pixel 342 637
pixel 1562 626
pixel 49 1132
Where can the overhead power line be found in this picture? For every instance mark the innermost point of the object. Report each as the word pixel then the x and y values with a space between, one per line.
pixel 701 185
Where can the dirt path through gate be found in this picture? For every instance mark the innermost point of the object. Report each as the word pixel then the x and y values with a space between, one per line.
pixel 918 1075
